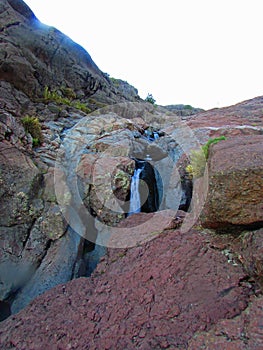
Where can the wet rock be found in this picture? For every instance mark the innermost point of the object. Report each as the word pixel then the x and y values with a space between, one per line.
pixel 4 310
pixel 168 184
pixel 148 189
pixel 155 152
pixel 56 267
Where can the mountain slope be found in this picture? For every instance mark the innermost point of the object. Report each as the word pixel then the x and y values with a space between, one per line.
pixel 34 55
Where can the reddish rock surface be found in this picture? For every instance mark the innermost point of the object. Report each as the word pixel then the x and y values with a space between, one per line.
pixel 244 113
pixel 240 333
pixel 155 296
pixel 142 227
pixel 235 183
pixel 246 248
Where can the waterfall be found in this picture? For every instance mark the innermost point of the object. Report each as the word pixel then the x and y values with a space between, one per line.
pixel 155 135
pixel 151 135
pixel 144 194
pixel 135 201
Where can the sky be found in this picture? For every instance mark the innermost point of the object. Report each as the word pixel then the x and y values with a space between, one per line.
pixel 206 53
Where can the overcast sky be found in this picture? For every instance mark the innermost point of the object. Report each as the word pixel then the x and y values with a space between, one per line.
pixel 206 53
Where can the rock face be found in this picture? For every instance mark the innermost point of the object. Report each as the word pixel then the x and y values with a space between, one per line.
pixel 20 181
pixel 184 111
pixel 34 55
pixel 236 183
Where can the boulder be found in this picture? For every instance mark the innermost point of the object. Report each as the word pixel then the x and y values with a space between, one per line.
pixel 235 183
pixel 106 185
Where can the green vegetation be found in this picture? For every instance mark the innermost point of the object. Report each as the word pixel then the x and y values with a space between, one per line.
pixel 68 92
pixel 69 95
pixel 81 106
pixel 188 107
pixel 150 99
pixel 55 97
pixel 115 82
pixel 199 157
pixel 33 127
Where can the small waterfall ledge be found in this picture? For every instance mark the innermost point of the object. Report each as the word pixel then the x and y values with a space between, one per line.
pixel 144 193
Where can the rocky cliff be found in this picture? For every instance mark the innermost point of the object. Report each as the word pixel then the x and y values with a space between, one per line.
pixel 168 279
pixel 34 56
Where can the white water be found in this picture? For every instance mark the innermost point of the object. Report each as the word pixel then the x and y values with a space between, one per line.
pixel 135 201
pixel 156 135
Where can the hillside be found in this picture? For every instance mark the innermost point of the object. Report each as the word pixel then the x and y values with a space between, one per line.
pixel 80 269
pixel 35 56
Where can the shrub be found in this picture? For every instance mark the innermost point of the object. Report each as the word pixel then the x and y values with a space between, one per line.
pixel 54 96
pixel 199 157
pixel 115 82
pixel 150 99
pixel 210 142
pixel 188 107
pixel 68 92
pixel 33 127
pixel 81 106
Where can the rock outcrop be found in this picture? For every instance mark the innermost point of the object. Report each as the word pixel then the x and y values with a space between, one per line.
pixel 34 56
pixel 236 183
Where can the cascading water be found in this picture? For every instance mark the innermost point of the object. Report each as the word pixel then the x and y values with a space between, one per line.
pixel 144 194
pixel 135 201
pixel 156 135
pixel 151 135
